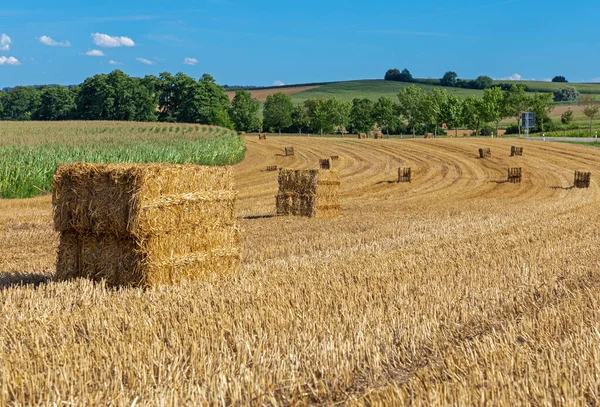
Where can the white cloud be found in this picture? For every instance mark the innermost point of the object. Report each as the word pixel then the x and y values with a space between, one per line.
pixel 114 62
pixel 145 61
pixel 44 39
pixel 516 77
pixel 190 61
pixel 278 83
pixel 5 42
pixel 106 41
pixel 9 61
pixel 94 53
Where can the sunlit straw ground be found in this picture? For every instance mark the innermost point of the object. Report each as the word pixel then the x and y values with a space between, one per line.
pixel 456 289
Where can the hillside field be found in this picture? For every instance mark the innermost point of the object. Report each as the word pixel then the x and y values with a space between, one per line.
pixel 455 289
pixel 375 88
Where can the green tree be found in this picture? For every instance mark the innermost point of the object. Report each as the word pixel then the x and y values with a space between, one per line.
pixel 493 106
pixel 213 103
pixel 385 113
pixel 516 103
pixel 244 111
pixel 56 103
pixel 559 79
pixel 483 82
pixel 431 107
pixel 361 115
pixel 451 112
pixel 300 120
pixel 449 79
pixel 542 105
pixel 325 115
pixel 590 107
pixel 21 103
pixel 473 113
pixel 2 96
pixel 567 117
pixel 566 94
pixel 277 113
pixel 410 105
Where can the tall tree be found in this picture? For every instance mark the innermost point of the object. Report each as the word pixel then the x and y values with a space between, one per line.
pixel 449 79
pixel 56 103
pixel 385 113
pixel 300 120
pixel 361 115
pixel 493 106
pixel 542 105
pixel 591 107
pixel 432 107
pixel 559 78
pixel 410 104
pixel 277 113
pixel 214 103
pixel 473 113
pixel 21 103
pixel 244 111
pixel 452 112
pixel 2 96
pixel 517 103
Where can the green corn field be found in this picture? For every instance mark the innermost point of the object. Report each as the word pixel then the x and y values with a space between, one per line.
pixel 31 151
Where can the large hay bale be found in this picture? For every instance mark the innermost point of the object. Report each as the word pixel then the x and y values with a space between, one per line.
pixel 325 163
pixel 485 153
pixel 582 179
pixel 405 174
pixel 514 151
pixel 514 175
pixel 144 224
pixel 311 193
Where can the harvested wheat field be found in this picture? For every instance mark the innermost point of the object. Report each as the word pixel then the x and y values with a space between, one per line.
pixel 456 289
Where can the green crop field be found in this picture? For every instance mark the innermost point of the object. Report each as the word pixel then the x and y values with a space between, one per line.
pixel 30 151
pixel 372 89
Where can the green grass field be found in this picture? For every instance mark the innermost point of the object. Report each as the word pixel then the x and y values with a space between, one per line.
pixel 30 151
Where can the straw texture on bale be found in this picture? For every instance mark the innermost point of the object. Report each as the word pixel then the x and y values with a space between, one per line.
pixel 485 153
pixel 514 175
pixel 404 174
pixel 144 224
pixel 311 193
pixel 582 179
pixel 325 164
pixel 514 151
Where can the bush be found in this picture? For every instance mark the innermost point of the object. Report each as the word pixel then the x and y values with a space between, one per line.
pixel 566 94
pixel 512 129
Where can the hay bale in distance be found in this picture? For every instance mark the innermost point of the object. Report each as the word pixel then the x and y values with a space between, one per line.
pixel 514 175
pixel 241 133
pixel 362 136
pixel 271 168
pixel 289 151
pixel 325 164
pixel 428 135
pixel 514 151
pixel 485 153
pixel 144 224
pixel 405 174
pixel 335 157
pixel 311 193
pixel 582 179
pixel 262 136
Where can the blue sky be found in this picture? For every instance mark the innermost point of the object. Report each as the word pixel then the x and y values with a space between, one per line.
pixel 267 42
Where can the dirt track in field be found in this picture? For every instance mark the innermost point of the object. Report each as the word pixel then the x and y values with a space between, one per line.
pixel 458 288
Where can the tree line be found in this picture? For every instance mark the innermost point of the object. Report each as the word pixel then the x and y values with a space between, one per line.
pixel 414 111
pixel 180 98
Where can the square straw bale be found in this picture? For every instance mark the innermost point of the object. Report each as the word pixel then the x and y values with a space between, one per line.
pixel 311 193
pixel 144 224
